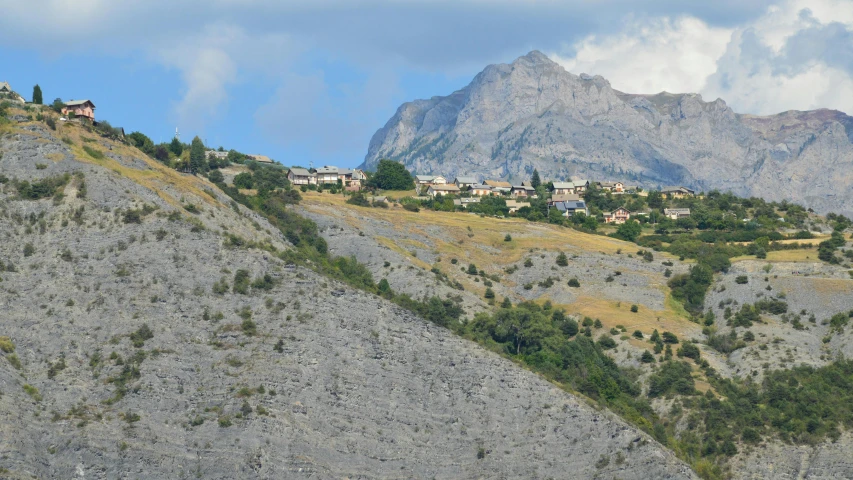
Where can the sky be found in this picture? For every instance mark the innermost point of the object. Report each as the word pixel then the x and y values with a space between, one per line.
pixel 309 82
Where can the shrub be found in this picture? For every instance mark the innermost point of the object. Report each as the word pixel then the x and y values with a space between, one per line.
pixel 508 238
pixel 606 342
pixel 562 260
pixel 6 345
pixel 29 250
pixel 638 334
pixel 672 377
pixel 647 357
pixel 574 283
pixel 489 293
pixel 635 308
pixel 241 282
pixel 742 279
pixel 96 154
pixel 669 338
pixel 411 207
pixel 139 337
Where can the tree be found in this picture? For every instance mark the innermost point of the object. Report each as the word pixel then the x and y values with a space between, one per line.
pixel 244 180
pixel 647 357
pixel 176 147
pixel 216 177
pixel 57 105
pixel 142 142
pixel 562 260
pixel 655 199
pixel 629 231
pixel 37 99
pixel 535 181
pixel 391 175
pixel 197 162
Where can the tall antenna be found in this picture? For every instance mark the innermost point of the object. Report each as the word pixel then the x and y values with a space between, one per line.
pixel 311 164
pixel 177 134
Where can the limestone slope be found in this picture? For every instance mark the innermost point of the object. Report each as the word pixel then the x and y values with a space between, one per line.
pixel 323 381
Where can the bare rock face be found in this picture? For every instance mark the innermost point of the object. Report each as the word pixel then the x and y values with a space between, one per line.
pixel 323 382
pixel 532 114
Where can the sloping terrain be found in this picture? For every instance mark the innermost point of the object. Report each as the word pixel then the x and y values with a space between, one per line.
pixel 143 339
pixel 432 251
pixel 532 114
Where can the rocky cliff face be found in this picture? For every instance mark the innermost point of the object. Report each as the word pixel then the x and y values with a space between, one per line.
pixel 532 114
pixel 329 383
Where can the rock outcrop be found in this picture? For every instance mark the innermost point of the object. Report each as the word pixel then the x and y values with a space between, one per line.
pixel 532 114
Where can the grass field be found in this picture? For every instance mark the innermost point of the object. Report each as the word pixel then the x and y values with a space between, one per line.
pixel 781 256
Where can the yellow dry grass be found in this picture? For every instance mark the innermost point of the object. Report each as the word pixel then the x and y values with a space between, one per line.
pixel 784 256
pixel 156 178
pixel 613 313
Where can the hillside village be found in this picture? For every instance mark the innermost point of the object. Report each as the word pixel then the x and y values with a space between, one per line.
pixel 668 296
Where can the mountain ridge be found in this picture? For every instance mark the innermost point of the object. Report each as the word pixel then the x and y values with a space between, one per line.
pixel 532 114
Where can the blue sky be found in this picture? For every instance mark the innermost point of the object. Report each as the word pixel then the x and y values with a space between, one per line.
pixel 312 81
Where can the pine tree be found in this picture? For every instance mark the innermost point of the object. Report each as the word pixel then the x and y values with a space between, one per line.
pixel 37 98
pixel 535 181
pixel 176 147
pixel 197 162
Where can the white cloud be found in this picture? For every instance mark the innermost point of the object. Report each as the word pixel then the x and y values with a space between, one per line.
pixel 793 57
pixel 652 55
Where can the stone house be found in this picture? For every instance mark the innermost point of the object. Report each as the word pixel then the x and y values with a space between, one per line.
pixel 480 190
pixel 569 208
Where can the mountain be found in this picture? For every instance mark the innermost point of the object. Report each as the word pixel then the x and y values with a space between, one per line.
pixel 127 349
pixel 532 114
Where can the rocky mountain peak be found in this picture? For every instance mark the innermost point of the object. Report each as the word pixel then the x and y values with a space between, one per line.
pixel 533 114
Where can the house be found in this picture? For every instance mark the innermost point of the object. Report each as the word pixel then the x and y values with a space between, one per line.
pixel 260 158
pixel 327 174
pixel 522 191
pixel 216 154
pixel 578 186
pixel 434 190
pixel 463 182
pixel 567 209
pixel 301 176
pixel 676 213
pixel 80 108
pixel 7 92
pixel 564 197
pixel 514 205
pixel 677 192
pixel 480 190
pixel 423 181
pixel 615 187
pixel 352 178
pixel 620 215
pixel 464 202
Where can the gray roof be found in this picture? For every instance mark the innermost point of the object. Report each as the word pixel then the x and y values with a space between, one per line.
pixel 564 185
pixel 301 172
pixel 563 206
pixel 344 171
pixel 74 103
pixel 5 86
pixel 425 178
pixel 667 211
pixel 461 179
pixel 675 189
pixel 327 169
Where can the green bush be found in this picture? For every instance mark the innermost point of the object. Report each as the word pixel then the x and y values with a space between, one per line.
pixel 574 283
